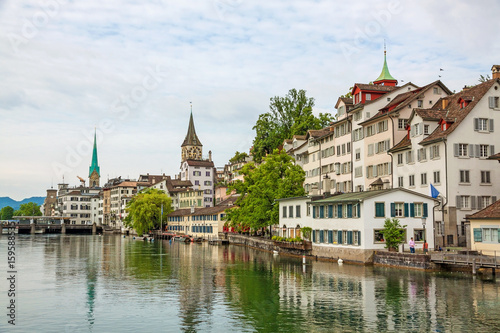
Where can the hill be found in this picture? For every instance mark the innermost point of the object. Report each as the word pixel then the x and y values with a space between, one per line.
pixel 6 201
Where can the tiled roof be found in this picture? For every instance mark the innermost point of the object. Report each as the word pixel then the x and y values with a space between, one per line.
pixel 490 212
pixel 200 163
pixel 374 87
pixel 430 114
pixel 360 196
pixel 126 184
pixel 494 157
pixel 318 133
pixel 347 101
pixel 455 112
pixel 402 145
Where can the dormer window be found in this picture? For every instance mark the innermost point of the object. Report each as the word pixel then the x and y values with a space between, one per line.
pixel 368 97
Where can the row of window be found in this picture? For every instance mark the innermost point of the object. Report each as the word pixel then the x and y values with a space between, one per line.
pixel 467 202
pixel 198 173
pixel 290 211
pixel 489 234
pixel 470 150
pixel 465 177
pixel 202 229
pixel 379 127
pixel 423 179
pixel 337 211
pixel 339 237
pixel 403 209
pixel 379 147
pixel 378 170
pixel 418 236
pixel 175 228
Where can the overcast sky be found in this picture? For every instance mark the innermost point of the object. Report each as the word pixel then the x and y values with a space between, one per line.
pixel 130 69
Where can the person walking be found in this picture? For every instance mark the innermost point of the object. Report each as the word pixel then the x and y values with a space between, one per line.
pixel 412 245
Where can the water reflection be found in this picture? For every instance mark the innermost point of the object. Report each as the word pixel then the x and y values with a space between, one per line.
pixel 95 282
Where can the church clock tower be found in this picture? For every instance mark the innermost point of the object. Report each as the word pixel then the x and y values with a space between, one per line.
pixel 94 172
pixel 192 148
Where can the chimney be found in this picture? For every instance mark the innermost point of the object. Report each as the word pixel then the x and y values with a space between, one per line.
pixel 210 155
pixel 444 104
pixel 495 72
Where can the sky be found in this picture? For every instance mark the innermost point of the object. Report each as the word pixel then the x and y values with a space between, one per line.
pixel 130 70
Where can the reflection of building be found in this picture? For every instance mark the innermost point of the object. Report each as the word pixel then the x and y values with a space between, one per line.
pixel 349 225
pixel 485 229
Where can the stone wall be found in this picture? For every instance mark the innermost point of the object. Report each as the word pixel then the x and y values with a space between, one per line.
pixel 263 244
pixel 407 260
pixel 354 255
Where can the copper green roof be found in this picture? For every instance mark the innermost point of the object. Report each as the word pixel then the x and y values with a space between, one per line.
pixel 95 164
pixel 191 137
pixel 385 75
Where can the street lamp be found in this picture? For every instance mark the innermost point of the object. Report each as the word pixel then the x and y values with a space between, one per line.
pixel 424 220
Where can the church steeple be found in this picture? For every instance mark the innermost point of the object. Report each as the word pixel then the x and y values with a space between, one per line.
pixel 385 78
pixel 191 147
pixel 94 172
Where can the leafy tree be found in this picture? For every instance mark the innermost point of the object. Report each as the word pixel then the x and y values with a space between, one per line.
pixel 238 157
pixel 145 210
pixel 483 79
pixel 28 209
pixel 288 116
pixel 348 95
pixel 394 233
pixel 6 213
pixel 275 178
pixel 306 232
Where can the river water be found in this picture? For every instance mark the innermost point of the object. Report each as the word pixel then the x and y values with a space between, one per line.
pixel 73 283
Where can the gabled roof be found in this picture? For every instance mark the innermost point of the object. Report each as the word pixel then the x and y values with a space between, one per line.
pixel 428 114
pixel 494 157
pixel 347 101
pixel 373 87
pixel 200 163
pixel 317 133
pixel 454 113
pixel 492 212
pixel 402 145
pixel 361 196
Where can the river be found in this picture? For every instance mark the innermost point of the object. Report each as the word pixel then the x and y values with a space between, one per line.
pixel 76 283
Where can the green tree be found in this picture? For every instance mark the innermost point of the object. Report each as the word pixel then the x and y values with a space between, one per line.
pixel 306 232
pixel 288 116
pixel 394 233
pixel 238 157
pixel 483 79
pixel 275 178
pixel 6 213
pixel 145 210
pixel 28 209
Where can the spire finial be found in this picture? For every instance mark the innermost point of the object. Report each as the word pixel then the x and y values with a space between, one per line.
pixel 191 103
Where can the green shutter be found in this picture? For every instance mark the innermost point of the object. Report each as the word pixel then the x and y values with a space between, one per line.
pixel 314 236
pixel 330 211
pixel 314 212
pixel 359 210
pixel 349 237
pixel 412 209
pixel 321 236
pixel 339 236
pixel 339 210
pixel 478 235
pixel 349 210
pixel 321 212
pixel 406 209
pixel 393 209
pixel 425 213
pixel 499 235
pixel 359 238
pixel 330 236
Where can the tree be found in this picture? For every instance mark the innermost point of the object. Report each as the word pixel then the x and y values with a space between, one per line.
pixel 483 79
pixel 28 209
pixel 145 210
pixel 394 233
pixel 288 116
pixel 6 213
pixel 275 178
pixel 238 157
pixel 306 232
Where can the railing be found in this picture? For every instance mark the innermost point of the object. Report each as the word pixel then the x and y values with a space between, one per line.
pixel 466 259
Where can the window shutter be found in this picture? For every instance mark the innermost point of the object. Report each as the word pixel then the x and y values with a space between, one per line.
pixel 349 210
pixel 458 202
pixel 491 125
pixel 349 237
pixel 425 212
pixel 406 209
pixel 314 212
pixel 359 209
pixel 330 211
pixel 339 237
pixel 473 202
pixel 478 235
pixel 471 150
pixel 491 101
pixel 314 236
pixel 431 153
pixel 478 150
pixel 376 148
pixel 455 149
pixel 418 155
pixel 321 212
pixel 476 124
pixel 359 237
pixel 390 168
pixel 374 171
pixel 412 209
pixel 393 209
pixel 494 199
pixel 387 143
pixel 367 175
pixel 492 150
pixel 330 236
pixel 339 211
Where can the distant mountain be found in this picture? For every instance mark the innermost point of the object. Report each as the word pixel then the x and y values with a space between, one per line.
pixel 6 201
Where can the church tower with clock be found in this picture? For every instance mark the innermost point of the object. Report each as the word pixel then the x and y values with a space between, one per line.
pixel 192 148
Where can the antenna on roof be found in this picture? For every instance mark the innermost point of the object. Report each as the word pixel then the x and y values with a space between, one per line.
pixel 191 103
pixel 385 51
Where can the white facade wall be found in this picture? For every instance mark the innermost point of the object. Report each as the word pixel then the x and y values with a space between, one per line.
pixel 202 178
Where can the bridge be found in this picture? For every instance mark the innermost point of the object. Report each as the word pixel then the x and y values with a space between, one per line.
pixel 467 259
pixel 49 225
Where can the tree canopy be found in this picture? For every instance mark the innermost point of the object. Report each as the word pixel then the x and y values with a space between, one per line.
pixel 29 209
pixel 288 116
pixel 275 178
pixel 6 213
pixel 238 157
pixel 145 210
pixel 393 233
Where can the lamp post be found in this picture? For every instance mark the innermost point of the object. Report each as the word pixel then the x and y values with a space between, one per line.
pixel 424 220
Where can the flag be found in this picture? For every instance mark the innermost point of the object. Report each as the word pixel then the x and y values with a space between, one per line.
pixel 434 192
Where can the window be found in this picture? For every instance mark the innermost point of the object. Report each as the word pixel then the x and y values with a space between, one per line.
pixel 345 237
pixel 465 202
pixel 434 151
pixel 411 180
pixel 462 150
pixel 436 91
pixel 398 209
pixel 400 158
pixel 402 124
pixel 423 179
pixel 207 183
pixel 358 171
pixel 421 154
pixel 297 211
pixel 485 177
pixel 483 150
pixel 370 149
pixel 382 126
pixel 418 235
pixel 484 202
pixel 358 154
pixel 290 211
pixel 379 209
pixel 464 176
pixel 426 129
pixel 488 234
pixel 197 182
pixel 481 124
pixel 437 177
pixel 493 102
pixel 284 211
pixel 417 209
pixel 400 181
pixel 420 103
pixel 368 97
pixel 370 130
pixel 378 237
pixel 409 157
pixel 357 238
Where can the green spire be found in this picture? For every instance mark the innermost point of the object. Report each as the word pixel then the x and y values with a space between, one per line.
pixel 95 164
pixel 385 75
